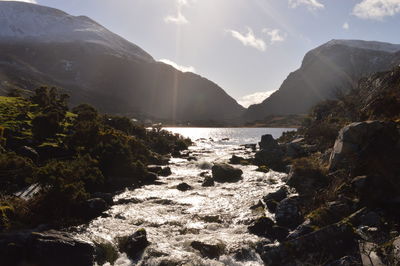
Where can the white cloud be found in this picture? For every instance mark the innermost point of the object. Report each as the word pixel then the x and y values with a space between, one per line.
pixel 26 1
pixel 254 98
pixel 275 35
pixel 346 26
pixel 376 9
pixel 179 18
pixel 310 4
pixel 249 39
pixel 179 67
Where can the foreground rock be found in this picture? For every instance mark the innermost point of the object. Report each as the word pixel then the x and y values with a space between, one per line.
pixel 271 154
pixel 288 214
pixel 208 250
pixel 46 249
pixel 334 241
pixel 134 244
pixel 225 173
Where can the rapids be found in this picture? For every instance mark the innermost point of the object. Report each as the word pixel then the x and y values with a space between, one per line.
pixel 213 215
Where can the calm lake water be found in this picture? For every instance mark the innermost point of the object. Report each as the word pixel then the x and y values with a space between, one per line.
pixel 236 136
pixel 217 215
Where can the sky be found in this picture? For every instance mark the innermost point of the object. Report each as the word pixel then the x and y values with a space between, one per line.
pixel 248 47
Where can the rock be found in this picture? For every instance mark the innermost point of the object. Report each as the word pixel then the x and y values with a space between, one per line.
pixel 271 205
pixel 261 226
pixel 162 171
pixel 29 152
pixel 371 219
pixel 95 207
pixel 183 187
pixel 150 178
pixel 295 148
pixel 272 158
pixel 166 171
pixel 134 244
pixel 359 183
pixel 208 250
pixel 345 261
pixel 46 249
pixel 367 147
pixel 258 205
pixel 279 233
pixel 303 229
pixel 236 160
pixel 226 173
pixel 208 182
pixel 277 196
pixel 251 146
pixel 107 197
pixel 263 169
pixel 306 178
pixel 337 240
pixel 287 213
pixel 268 142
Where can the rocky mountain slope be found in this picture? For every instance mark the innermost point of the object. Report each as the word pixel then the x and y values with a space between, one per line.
pixel 335 66
pixel 45 46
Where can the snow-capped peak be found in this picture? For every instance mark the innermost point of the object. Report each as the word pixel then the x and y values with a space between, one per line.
pixel 369 45
pixel 21 21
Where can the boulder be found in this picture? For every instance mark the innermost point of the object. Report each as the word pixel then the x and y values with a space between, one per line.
pixel 337 240
pixel 367 147
pixel 305 178
pixel 95 207
pixel 45 248
pixel 183 187
pixel 150 178
pixel 212 251
pixel 208 182
pixel 237 160
pixel 288 214
pixel 226 173
pixel 271 205
pixel 274 159
pixel 295 149
pixel 303 229
pixel 261 226
pixel 134 244
pixel 268 142
pixel 162 171
pixel 166 171
pixel 277 196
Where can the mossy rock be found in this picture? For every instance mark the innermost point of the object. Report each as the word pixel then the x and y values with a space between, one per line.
pixel 263 169
pixel 6 213
pixel 105 252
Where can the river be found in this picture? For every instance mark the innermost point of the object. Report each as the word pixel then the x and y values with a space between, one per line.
pixel 213 215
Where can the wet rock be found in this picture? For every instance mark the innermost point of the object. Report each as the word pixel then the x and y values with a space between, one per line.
pixel 212 219
pixel 159 170
pixel 287 213
pixel 243 254
pixel 238 160
pixel 208 250
pixel 258 205
pixel 183 187
pixel 271 205
pixel 105 252
pixel 208 182
pixel 337 240
pixel 107 197
pixel 261 226
pixel 251 146
pixel 268 142
pixel 263 169
pixel 226 173
pixel 134 244
pixel 128 201
pixel 150 178
pixel 166 171
pixel 277 196
pixel 95 207
pixel 46 249
pixel 274 159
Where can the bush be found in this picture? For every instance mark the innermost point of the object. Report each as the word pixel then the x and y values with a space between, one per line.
pixel 16 172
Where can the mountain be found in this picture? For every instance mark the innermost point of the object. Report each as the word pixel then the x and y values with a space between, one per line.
pixel 335 66
pixel 45 46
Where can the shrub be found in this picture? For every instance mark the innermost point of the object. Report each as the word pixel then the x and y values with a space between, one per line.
pixel 16 172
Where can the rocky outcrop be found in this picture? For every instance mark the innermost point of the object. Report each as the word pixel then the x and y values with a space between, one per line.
pixel 333 241
pixel 45 248
pixel 271 153
pixel 134 244
pixel 225 173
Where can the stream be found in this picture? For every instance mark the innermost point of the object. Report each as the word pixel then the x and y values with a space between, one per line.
pixel 213 215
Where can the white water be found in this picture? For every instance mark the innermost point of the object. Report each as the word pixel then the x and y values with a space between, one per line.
pixel 173 219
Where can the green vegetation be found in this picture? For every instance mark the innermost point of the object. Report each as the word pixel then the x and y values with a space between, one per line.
pixel 70 155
